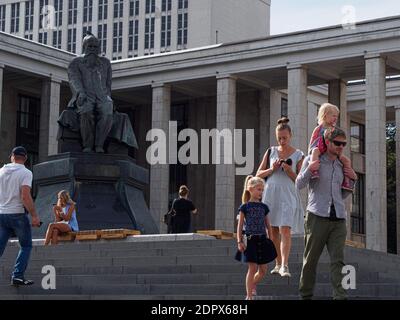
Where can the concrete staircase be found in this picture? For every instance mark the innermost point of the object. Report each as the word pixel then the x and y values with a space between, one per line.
pixel 182 267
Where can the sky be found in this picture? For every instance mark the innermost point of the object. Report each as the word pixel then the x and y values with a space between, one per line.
pixel 296 15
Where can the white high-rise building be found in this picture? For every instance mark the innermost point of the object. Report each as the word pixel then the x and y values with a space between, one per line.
pixel 131 28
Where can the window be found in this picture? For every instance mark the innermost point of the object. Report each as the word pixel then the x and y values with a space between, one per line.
pixel 182 4
pixel 150 6
pixel 57 39
pixel 103 37
pixel 29 15
pixel 182 29
pixel 118 8
pixel 358 207
pixel 3 18
pixel 85 29
pixel 117 37
pixel 133 35
pixel 43 37
pixel 103 7
pixel 72 11
pixel 28 126
pixel 58 10
pixel 284 107
pixel 71 43
pixel 165 33
pixel 15 17
pixel 134 8
pixel 149 33
pixel 42 11
pixel 87 10
pixel 166 5
pixel 357 137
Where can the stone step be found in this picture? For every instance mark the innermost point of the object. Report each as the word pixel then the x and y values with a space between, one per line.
pixel 190 278
pixel 372 290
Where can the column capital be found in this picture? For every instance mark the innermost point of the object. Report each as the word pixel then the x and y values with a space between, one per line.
pixel 226 76
pixel 155 85
pixel 373 55
pixel 55 79
pixel 291 66
pixel 2 66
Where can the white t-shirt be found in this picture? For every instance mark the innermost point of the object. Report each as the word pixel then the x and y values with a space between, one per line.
pixel 12 177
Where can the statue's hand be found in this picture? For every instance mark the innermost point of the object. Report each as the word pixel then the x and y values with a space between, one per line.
pixel 81 98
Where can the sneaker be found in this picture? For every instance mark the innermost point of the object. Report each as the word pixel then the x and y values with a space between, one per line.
pixel 276 269
pixel 21 282
pixel 284 271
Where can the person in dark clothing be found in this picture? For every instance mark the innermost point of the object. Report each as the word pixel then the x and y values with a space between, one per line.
pixel 183 209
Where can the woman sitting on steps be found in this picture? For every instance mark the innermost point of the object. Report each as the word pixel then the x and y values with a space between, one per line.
pixel 65 218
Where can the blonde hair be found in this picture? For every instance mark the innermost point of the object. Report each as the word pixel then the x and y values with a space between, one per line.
pixel 283 124
pixel 183 191
pixel 65 197
pixel 250 182
pixel 324 110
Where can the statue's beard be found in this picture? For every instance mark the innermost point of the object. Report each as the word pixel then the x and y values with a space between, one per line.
pixel 90 54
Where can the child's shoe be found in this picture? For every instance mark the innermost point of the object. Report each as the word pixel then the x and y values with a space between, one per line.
pixel 276 269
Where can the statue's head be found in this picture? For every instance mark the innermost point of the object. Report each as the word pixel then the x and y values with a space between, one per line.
pixel 91 44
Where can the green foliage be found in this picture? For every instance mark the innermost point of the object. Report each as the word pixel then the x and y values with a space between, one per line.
pixel 391 187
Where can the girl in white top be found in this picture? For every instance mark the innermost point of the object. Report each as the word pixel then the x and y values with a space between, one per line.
pixel 65 218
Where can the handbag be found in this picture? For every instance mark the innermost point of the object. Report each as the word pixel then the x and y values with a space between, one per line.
pixel 168 216
pixel 268 155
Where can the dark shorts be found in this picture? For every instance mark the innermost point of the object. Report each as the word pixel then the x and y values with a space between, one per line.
pixel 260 250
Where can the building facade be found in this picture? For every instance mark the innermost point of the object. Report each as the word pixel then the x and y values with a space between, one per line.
pixel 132 28
pixel 240 85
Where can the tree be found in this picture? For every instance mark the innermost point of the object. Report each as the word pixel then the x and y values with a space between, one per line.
pixel 391 187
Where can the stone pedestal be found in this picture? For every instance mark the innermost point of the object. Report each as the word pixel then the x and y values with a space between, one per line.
pixel 108 190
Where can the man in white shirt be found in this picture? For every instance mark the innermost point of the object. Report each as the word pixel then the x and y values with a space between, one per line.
pixel 15 197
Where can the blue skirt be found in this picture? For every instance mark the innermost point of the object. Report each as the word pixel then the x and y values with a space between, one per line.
pixel 260 250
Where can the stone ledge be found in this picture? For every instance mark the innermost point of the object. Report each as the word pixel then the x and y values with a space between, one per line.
pixel 140 238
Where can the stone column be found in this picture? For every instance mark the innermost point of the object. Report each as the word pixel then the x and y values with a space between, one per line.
pixel 159 173
pixel 264 123
pixel 338 97
pixel 1 101
pixel 225 173
pixel 312 122
pixel 275 113
pixel 297 106
pixel 397 110
pixel 375 114
pixel 78 26
pixel 49 113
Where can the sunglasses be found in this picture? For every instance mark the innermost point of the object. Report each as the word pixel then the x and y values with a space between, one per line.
pixel 339 143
